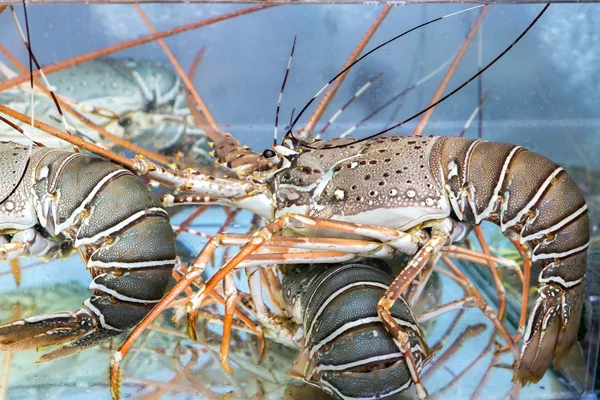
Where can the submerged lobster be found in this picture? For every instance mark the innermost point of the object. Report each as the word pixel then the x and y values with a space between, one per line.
pixel 418 195
pixel 116 224
pixel 138 100
pixel 378 198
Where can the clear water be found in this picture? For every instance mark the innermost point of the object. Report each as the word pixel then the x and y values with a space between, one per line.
pixel 543 94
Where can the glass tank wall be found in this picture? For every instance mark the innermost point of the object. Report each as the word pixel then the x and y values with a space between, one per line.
pixel 117 71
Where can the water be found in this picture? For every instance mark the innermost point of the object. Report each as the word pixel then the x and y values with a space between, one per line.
pixel 543 94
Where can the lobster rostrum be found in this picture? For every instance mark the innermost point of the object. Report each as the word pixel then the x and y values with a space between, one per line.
pixel 53 202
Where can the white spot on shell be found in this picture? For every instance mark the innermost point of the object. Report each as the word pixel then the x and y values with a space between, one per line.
pixel 339 194
pixel 393 192
pixel 411 193
pixel 453 170
pixel 9 205
pixel 353 165
pixel 429 201
pixel 42 173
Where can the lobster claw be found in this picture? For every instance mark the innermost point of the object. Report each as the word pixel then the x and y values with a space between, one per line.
pixel 51 330
pixel 551 331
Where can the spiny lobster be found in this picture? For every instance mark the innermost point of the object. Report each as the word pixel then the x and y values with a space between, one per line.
pixel 413 196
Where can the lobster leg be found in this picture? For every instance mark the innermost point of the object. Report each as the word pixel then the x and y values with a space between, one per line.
pixel 398 286
pixel 12 250
pixel 273 290
pixel 231 296
pixel 26 242
pixel 45 330
pixel 526 256
pixel 480 302
pixel 255 283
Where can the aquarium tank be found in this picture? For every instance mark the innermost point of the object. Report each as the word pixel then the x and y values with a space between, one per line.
pixel 299 200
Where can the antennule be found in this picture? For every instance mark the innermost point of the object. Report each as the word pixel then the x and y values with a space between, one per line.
pixel 287 71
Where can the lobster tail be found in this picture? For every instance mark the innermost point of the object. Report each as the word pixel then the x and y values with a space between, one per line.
pixel 531 198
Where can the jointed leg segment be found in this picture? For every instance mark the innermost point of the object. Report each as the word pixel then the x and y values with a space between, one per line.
pixel 396 289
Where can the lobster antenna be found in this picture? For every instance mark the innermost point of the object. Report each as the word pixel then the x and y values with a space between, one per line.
pixel 287 71
pixel 475 113
pixel 355 96
pixel 481 71
pixel 32 60
pixel 14 14
pixel 396 97
pixel 292 116
pixel 368 53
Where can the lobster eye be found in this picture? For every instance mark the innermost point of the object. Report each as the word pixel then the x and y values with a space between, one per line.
pixel 125 122
pixel 268 153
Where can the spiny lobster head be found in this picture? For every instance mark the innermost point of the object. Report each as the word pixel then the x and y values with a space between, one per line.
pixel 244 162
pixel 239 158
pixel 309 171
pixel 289 173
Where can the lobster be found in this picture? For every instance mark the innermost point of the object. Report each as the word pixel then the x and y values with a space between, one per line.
pixel 116 224
pixel 138 100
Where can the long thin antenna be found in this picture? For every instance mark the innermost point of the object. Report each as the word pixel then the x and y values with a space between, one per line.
pixel 368 53
pixel 476 112
pixel 355 96
pixel 287 72
pixel 481 71
pixel 396 97
pixel 33 60
pixel 26 41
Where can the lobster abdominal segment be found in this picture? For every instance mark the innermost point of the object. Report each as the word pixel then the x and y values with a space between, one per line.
pixel 121 231
pixel 349 353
